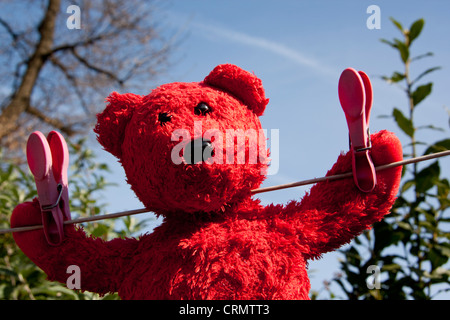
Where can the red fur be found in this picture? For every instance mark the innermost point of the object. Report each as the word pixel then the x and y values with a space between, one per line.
pixel 216 242
pixel 240 83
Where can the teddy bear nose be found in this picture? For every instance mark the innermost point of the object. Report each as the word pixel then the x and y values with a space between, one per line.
pixel 197 151
pixel 206 144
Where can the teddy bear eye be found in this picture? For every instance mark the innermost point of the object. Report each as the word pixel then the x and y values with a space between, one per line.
pixel 164 117
pixel 202 109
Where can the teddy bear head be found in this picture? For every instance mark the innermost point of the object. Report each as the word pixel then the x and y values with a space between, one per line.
pixel 190 147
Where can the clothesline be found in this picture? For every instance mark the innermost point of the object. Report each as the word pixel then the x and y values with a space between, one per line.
pixel 255 191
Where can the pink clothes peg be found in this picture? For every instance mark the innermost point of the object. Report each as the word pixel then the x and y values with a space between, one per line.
pixel 48 159
pixel 355 96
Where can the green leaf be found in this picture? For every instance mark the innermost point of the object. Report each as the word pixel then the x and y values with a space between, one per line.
pixel 427 177
pixel 404 225
pixel 415 30
pixel 111 296
pixel 384 236
pixel 389 43
pixel 431 127
pixel 439 146
pixel 438 256
pixel 443 187
pixel 55 290
pixel 397 24
pixel 403 49
pixel 404 123
pixel 421 93
pixel 408 184
pixel 100 230
pixel 439 273
pixel 425 73
pixel 391 267
pixel 428 54
pixel 8 271
pixel 396 77
pixel 444 250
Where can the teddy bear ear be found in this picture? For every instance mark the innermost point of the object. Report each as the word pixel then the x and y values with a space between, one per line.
pixel 111 123
pixel 242 84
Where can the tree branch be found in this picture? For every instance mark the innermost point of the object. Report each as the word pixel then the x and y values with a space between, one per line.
pixel 54 71
pixel 84 43
pixel 20 102
pixel 72 80
pixel 8 28
pixel 90 66
pixel 58 124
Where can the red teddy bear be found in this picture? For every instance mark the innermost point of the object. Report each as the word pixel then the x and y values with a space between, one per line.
pixel 216 241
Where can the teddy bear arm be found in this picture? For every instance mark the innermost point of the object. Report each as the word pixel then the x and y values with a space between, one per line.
pixel 99 265
pixel 335 212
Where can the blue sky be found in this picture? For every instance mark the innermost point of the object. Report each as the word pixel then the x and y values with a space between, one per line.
pixel 299 49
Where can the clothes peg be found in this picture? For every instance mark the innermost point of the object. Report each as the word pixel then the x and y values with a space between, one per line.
pixel 355 95
pixel 48 159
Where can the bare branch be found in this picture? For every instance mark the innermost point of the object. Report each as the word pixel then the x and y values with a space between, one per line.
pixel 90 66
pixel 72 79
pixel 59 78
pixel 21 99
pixel 83 43
pixel 54 122
pixel 8 28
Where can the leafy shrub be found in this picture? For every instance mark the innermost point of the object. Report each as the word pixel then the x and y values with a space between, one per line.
pixel 411 245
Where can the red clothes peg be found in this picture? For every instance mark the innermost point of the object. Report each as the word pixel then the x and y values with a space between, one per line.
pixel 48 159
pixel 355 95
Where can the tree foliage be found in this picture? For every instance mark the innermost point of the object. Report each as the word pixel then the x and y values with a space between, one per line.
pixel 53 77
pixel 407 253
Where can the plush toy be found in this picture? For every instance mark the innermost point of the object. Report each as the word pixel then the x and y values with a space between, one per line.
pixel 216 241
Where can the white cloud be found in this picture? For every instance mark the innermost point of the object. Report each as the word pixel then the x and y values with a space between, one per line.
pixel 265 44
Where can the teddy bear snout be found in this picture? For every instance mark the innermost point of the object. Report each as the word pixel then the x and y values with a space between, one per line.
pixel 198 150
